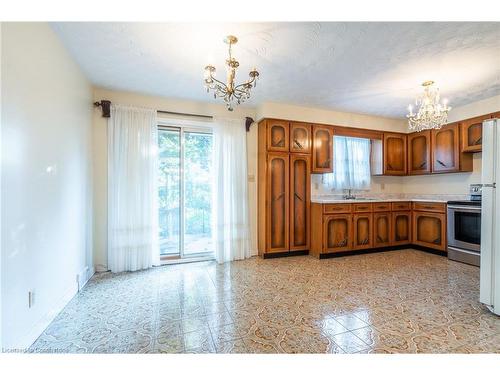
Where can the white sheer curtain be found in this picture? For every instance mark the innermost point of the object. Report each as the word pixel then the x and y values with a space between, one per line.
pixel 231 233
pixel 351 166
pixel 132 189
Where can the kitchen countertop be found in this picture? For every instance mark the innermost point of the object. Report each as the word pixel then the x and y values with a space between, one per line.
pixel 375 200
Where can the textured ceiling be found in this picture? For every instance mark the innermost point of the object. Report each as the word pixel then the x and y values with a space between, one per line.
pixel 373 68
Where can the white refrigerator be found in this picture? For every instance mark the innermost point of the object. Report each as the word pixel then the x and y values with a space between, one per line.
pixel 490 218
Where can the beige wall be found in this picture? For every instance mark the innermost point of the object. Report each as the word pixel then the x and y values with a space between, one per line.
pixel 46 180
pixel 100 156
pixel 450 183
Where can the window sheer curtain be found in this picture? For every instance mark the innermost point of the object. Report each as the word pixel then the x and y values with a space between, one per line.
pixel 351 167
pixel 231 233
pixel 132 189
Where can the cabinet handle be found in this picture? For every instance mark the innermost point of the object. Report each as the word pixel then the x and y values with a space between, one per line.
pixel 437 241
pixel 430 207
pixel 297 144
pixel 362 208
pixel 389 166
pixel 423 164
pixel 478 141
pixel 298 196
pixel 440 162
pixel 279 196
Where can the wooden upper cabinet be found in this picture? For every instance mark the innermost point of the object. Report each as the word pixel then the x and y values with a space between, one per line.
pixel 277 135
pixel 472 133
pixel 445 149
pixel 322 149
pixel 429 230
pixel 277 206
pixel 300 137
pixel 300 201
pixel 382 223
pixel 337 233
pixel 363 231
pixel 395 154
pixel 419 153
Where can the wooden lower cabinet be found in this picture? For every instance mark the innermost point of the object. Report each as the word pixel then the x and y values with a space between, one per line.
pixel 382 229
pixel 429 230
pixel 337 233
pixel 401 228
pixel 362 231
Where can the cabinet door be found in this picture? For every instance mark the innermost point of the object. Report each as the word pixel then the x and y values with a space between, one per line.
pixel 382 229
pixel 322 149
pixel 277 202
pixel 363 231
pixel 337 233
pixel 300 137
pixel 394 154
pixel 419 152
pixel 401 228
pixel 429 230
pixel 277 135
pixel 300 191
pixel 472 134
pixel 445 149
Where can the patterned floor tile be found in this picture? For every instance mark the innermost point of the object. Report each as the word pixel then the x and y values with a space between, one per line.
pixel 394 302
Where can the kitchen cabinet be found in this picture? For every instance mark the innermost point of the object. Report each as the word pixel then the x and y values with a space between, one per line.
pixel 277 135
pixel 363 231
pixel 401 228
pixel 278 197
pixel 382 229
pixel 419 153
pixel 446 152
pixel 395 154
pixel 300 201
pixel 472 133
pixel 429 229
pixel 337 233
pixel 322 149
pixel 300 137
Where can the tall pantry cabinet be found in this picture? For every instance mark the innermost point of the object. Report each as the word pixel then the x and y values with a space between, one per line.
pixel 284 186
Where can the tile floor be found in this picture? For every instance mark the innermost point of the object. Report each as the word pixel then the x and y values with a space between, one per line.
pixel 404 301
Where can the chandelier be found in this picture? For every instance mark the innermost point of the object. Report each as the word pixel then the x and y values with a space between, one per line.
pixel 230 91
pixel 431 114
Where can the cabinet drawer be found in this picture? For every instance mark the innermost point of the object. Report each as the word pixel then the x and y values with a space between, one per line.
pixel 401 206
pixel 380 207
pixel 336 208
pixel 362 207
pixel 429 206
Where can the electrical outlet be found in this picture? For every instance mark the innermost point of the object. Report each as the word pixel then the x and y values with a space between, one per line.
pixel 31 298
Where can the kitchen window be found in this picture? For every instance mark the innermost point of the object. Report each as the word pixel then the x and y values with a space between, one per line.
pixel 351 164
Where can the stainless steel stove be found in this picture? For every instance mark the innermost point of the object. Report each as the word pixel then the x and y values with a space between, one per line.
pixel 464 228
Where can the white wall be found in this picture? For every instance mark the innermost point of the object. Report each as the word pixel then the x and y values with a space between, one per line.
pixel 46 179
pixel 100 156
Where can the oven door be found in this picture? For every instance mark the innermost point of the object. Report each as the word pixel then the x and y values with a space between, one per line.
pixel 464 227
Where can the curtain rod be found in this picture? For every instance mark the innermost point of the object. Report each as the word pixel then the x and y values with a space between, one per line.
pixel 106 112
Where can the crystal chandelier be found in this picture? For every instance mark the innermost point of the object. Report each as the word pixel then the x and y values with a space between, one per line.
pixel 431 114
pixel 229 91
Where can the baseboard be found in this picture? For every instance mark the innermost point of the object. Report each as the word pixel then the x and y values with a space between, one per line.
pixel 41 325
pixel 24 342
pixel 285 254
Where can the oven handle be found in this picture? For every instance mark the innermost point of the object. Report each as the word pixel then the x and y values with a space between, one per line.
pixel 462 208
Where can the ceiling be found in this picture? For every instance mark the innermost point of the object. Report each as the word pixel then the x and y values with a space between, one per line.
pixel 372 68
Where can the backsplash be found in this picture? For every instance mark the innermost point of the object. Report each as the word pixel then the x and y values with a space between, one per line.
pixel 443 197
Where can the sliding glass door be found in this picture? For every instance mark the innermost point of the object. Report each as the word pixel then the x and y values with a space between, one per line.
pixel 185 192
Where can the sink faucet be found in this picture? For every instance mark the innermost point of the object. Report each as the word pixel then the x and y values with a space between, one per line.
pixel 349 194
